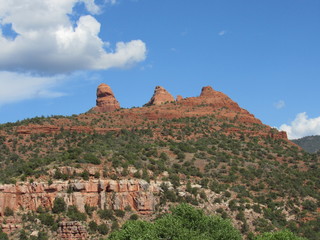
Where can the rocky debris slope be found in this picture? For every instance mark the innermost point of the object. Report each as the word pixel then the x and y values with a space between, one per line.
pixel 106 101
pixel 160 96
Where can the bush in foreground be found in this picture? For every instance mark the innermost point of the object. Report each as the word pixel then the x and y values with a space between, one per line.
pixel 185 222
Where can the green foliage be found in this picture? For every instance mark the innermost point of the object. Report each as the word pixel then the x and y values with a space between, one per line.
pixel 185 223
pixel 103 229
pixel 309 205
pixel 22 235
pixel 75 215
pixel 134 217
pixel 46 219
pixel 282 235
pixel 42 236
pixel 93 226
pixel 3 236
pixel 8 212
pixel 89 210
pixel 59 205
pixel 106 214
pixel 91 158
pixel 119 213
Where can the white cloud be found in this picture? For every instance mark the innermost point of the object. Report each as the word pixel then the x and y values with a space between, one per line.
pixel 111 1
pixel 49 42
pixel 302 126
pixel 280 104
pixel 222 33
pixel 15 87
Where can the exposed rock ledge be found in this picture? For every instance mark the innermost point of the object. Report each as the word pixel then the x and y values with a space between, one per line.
pixel 111 194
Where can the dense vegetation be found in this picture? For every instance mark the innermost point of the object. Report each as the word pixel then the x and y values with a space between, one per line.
pixel 187 223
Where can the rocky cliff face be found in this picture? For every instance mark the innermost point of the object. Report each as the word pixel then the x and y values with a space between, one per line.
pixel 160 96
pixel 111 194
pixel 106 101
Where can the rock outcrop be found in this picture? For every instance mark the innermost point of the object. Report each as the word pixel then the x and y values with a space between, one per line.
pixel 160 96
pixel 106 101
pixel 179 98
pixel 212 98
pixel 72 231
pixel 136 193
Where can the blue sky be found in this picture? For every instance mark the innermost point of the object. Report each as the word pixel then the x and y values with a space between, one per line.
pixel 265 55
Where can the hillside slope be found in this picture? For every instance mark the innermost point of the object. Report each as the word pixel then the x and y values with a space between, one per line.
pixel 310 144
pixel 106 166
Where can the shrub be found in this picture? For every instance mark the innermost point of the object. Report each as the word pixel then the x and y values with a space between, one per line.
pixel 134 217
pixel 46 219
pixel 106 214
pixel 93 226
pixel 59 205
pixel 119 213
pixel 89 210
pixel 282 235
pixel 90 158
pixel 74 214
pixel 22 236
pixel 309 205
pixel 103 229
pixel 8 212
pixel 42 236
pixel 3 236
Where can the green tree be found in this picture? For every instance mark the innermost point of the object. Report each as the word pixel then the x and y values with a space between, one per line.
pixel 184 223
pixel 103 229
pixel 59 205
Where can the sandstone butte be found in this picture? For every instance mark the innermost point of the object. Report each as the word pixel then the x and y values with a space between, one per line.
pixel 162 106
pixel 160 96
pixel 106 101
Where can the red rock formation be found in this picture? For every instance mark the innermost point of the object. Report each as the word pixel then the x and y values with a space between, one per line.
pixel 106 101
pixel 72 231
pixel 210 102
pixel 179 98
pixel 138 194
pixel 160 96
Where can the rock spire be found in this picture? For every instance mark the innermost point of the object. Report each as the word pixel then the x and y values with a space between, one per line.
pixel 106 101
pixel 160 96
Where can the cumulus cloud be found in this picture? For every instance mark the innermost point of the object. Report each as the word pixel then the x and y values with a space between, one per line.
pixel 280 104
pixel 48 41
pixel 302 126
pixel 15 87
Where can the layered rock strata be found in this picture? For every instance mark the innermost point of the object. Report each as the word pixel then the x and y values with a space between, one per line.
pixel 111 194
